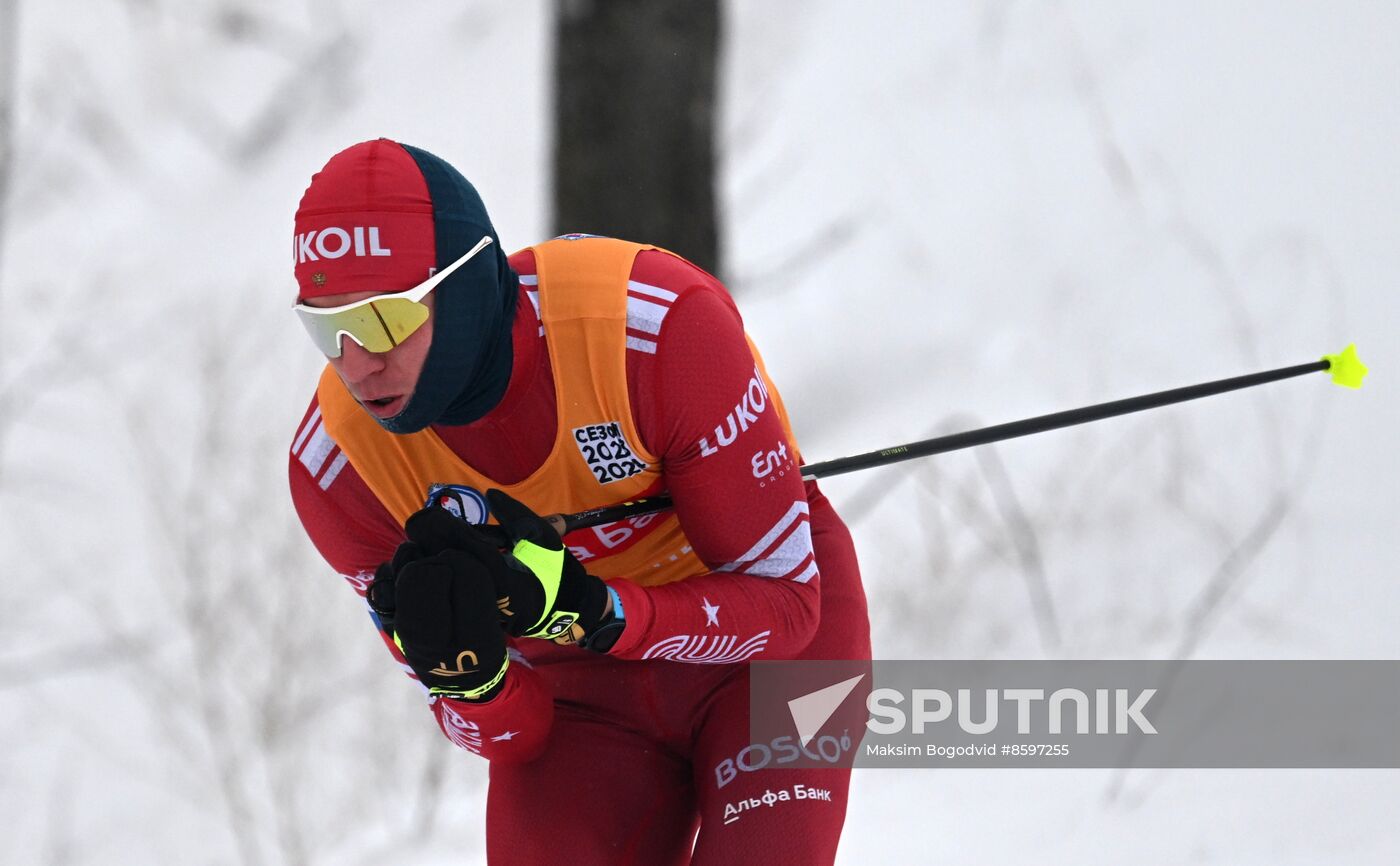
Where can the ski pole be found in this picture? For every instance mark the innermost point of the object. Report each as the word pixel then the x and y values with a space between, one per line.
pixel 1346 369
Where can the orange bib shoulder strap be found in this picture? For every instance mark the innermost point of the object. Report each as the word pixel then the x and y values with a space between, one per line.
pixel 583 306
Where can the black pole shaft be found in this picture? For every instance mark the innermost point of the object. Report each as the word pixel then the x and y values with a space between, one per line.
pixel 973 438
pixel 1053 421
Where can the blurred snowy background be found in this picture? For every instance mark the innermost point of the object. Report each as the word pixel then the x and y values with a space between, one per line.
pixel 937 215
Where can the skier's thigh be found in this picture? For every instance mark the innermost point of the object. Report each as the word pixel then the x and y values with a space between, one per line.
pixel 600 794
pixel 751 809
pixel 773 816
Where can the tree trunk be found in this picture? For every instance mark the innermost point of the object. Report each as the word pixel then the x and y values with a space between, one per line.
pixel 634 109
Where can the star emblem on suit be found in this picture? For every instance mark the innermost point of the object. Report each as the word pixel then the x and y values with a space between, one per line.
pixel 711 613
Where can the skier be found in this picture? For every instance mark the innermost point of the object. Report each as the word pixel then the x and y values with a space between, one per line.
pixel 605 677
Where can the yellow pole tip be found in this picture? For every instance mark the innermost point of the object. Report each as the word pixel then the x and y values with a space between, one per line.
pixel 1346 369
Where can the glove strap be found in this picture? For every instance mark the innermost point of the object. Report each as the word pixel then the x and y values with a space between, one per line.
pixel 548 567
pixel 472 694
pixel 460 693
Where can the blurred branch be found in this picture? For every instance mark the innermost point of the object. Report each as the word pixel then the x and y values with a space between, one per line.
pixel 1205 612
pixel 318 71
pixel 9 94
pixel 1227 576
pixel 429 796
pixel 9 90
pixel 71 351
pixel 1026 543
pixel 86 657
pixel 288 102
pixel 880 482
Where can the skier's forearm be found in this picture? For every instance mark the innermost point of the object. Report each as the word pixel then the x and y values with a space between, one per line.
pixel 718 618
pixel 511 728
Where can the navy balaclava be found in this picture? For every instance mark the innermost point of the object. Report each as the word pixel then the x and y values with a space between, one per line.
pixel 424 211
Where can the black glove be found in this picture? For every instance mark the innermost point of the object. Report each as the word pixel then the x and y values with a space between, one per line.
pixel 442 616
pixel 542 590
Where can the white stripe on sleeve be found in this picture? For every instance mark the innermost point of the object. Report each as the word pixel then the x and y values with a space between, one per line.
pixel 651 291
pixel 336 465
pixel 306 429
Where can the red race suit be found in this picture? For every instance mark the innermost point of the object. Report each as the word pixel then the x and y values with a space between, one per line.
pixel 621 758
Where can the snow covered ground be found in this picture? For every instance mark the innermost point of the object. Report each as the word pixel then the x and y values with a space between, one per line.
pixel 981 211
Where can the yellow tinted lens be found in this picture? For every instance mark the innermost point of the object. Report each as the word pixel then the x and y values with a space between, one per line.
pixel 400 317
pixel 377 325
